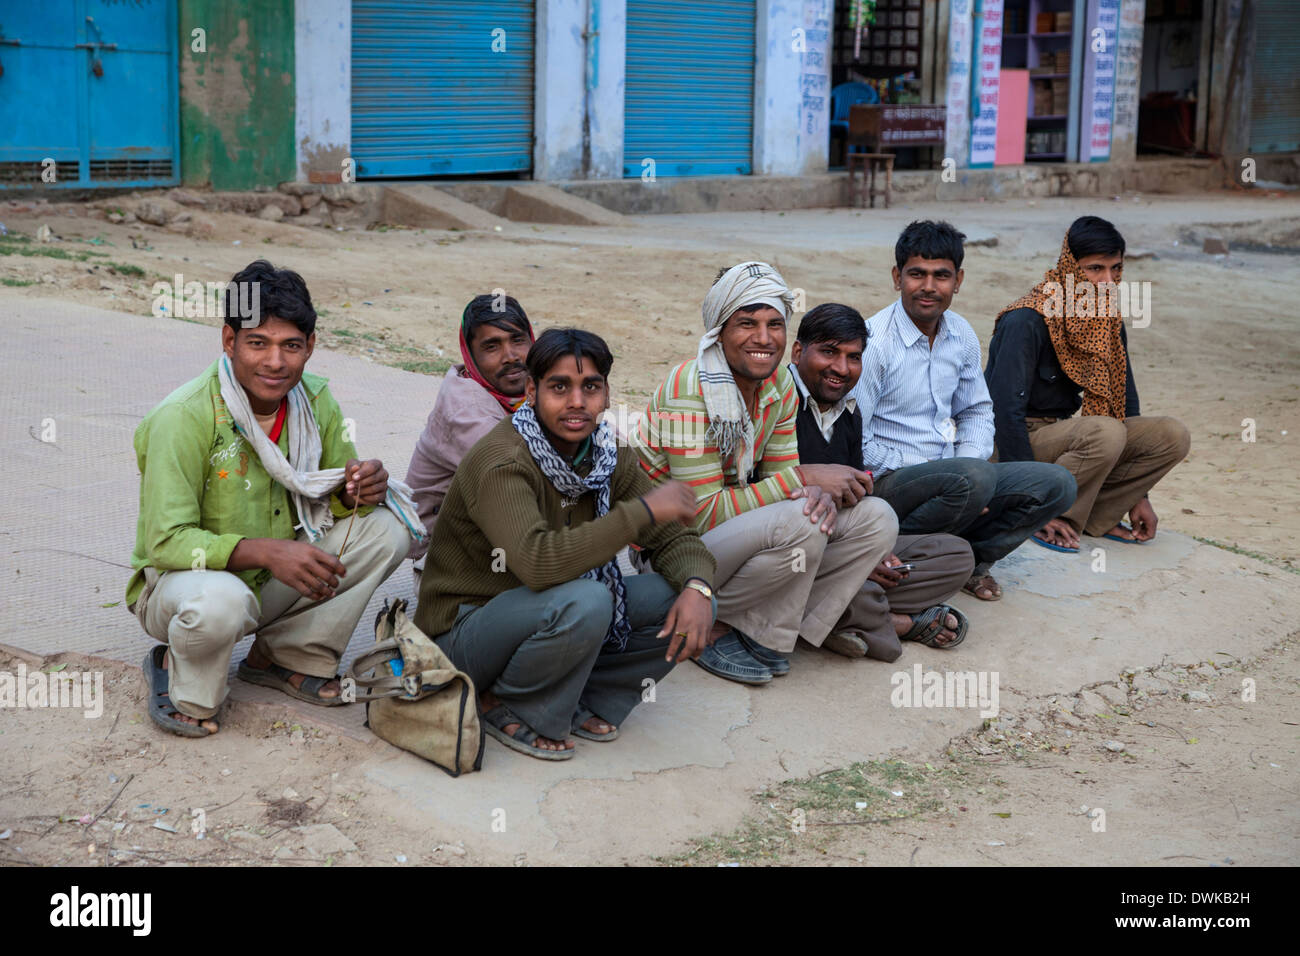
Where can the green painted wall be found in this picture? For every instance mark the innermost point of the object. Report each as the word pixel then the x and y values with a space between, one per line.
pixel 237 98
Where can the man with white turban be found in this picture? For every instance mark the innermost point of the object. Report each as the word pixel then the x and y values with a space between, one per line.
pixel 793 543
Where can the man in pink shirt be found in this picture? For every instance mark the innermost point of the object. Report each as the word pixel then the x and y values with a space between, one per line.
pixel 495 336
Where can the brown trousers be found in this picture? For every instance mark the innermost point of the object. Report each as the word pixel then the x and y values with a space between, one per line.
pixel 943 563
pixel 1115 463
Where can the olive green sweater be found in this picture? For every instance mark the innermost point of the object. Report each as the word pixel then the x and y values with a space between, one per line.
pixel 503 525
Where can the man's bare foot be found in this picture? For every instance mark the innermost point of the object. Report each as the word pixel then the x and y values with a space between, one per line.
pixel 209 724
pixel 487 700
pixel 1059 532
pixel 903 623
pixel 1122 531
pixel 983 587
pixel 258 662
pixel 594 725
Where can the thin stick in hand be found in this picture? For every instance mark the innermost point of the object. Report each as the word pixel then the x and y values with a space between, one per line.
pixel 356 503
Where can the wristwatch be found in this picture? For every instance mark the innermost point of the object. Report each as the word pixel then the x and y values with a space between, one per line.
pixel 698 585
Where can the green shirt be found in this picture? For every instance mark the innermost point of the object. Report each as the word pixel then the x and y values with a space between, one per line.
pixel 503 525
pixel 203 488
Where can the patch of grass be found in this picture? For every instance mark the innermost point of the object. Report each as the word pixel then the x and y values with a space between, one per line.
pixel 435 367
pixel 18 283
pixel 1267 559
pixel 23 246
pixel 126 269
pixel 807 814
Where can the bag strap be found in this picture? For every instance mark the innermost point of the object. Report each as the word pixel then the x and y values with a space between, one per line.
pixel 425 668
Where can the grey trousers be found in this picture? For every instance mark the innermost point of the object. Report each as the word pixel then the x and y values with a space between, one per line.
pixel 543 653
pixel 943 562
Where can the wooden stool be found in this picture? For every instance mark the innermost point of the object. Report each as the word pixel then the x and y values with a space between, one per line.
pixel 863 187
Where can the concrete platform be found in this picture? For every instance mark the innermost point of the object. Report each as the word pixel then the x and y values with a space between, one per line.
pixel 697 751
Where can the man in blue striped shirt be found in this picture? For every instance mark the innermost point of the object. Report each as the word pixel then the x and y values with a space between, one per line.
pixel 927 419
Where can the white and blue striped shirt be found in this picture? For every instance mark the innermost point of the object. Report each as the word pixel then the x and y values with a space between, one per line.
pixel 920 403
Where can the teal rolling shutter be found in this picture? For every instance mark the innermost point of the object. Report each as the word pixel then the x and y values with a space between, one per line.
pixel 430 95
pixel 689 93
pixel 1275 96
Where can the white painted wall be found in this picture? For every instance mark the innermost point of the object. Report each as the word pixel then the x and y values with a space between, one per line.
pixel 322 85
pixel 792 87
pixel 562 105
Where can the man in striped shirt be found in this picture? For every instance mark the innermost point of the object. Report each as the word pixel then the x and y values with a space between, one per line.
pixel 793 543
pixel 927 419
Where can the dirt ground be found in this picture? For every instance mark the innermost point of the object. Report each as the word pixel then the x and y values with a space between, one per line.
pixel 1221 348
pixel 1202 777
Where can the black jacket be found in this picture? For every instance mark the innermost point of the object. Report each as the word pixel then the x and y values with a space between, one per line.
pixel 1025 380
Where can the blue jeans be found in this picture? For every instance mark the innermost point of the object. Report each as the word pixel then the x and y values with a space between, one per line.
pixel 947 496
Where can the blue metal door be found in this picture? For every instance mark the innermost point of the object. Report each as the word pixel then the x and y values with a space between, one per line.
pixel 442 88
pixel 91 85
pixel 688 101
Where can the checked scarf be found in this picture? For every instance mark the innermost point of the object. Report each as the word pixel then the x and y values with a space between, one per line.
pixel 568 483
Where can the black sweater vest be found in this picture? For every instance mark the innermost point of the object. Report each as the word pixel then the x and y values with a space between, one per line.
pixel 845 446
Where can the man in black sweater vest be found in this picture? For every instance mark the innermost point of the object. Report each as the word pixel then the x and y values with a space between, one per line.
pixel 902 599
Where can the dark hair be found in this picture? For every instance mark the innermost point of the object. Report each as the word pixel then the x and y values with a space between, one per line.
pixel 260 291
pixel 929 240
pixel 832 322
pixel 500 311
pixel 1094 236
pixel 554 344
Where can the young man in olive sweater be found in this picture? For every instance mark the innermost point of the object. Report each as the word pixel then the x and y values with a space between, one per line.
pixel 521 587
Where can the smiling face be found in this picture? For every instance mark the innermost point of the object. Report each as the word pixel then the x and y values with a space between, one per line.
pixel 569 401
pixel 829 370
pixel 927 287
pixel 754 343
pixel 499 354
pixel 267 360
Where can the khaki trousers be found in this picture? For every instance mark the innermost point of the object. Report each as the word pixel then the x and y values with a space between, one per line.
pixel 943 563
pixel 1114 463
pixel 202 615
pixel 780 578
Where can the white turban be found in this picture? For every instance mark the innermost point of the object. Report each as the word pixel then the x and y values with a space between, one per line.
pixel 747 284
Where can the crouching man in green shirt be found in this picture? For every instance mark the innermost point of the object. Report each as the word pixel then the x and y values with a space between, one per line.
pixel 522 588
pixel 231 464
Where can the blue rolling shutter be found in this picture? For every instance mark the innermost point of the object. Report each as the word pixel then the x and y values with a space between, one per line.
pixel 1275 99
pixel 431 97
pixel 689 93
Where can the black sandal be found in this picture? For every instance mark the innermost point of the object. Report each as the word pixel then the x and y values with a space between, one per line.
pixel 927 626
pixel 580 717
pixel 500 716
pixel 273 675
pixel 160 707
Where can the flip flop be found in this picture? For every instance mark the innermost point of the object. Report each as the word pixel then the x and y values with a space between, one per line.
pixel 927 625
pixel 1115 537
pixel 160 705
pixel 580 717
pixel 496 719
pixel 273 675
pixel 1053 547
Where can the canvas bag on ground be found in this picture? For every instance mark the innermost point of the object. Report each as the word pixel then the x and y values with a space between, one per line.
pixel 431 709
